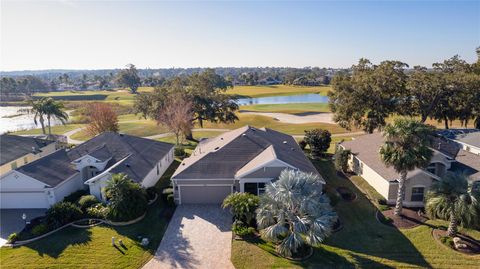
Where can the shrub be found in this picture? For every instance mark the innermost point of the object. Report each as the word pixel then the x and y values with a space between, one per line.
pixel 62 213
pixel 75 196
pixel 40 229
pixel 242 205
pixel 383 207
pixel 382 201
pixel 166 192
pixel 97 211
pixel 302 144
pixel 341 159
pixel 179 151
pixel 446 240
pixel 171 200
pixel 12 238
pixel 318 140
pixel 239 228
pixel 87 201
pixel 127 200
pixel 151 192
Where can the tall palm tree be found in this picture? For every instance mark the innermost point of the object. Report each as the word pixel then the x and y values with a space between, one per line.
pixel 406 147
pixel 451 198
pixel 294 212
pixel 55 110
pixel 39 111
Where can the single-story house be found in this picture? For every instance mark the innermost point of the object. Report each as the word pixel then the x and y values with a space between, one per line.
pixel 241 160
pixel 467 139
pixel 447 156
pixel 48 180
pixel 16 151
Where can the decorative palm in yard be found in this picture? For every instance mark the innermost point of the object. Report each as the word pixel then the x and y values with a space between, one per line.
pixel 294 213
pixel 452 199
pixel 406 147
pixel 54 110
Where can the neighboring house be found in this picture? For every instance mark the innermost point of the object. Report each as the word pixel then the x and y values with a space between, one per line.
pixel 468 139
pixel 447 156
pixel 16 151
pixel 242 160
pixel 48 180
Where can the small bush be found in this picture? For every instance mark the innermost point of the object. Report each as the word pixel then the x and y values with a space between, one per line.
pixel 62 213
pixel 302 144
pixel 87 201
pixel 179 151
pixel 151 192
pixel 40 229
pixel 12 238
pixel 166 192
pixel 240 229
pixel 97 211
pixel 75 196
pixel 381 201
pixel 447 241
pixel 383 207
pixel 171 200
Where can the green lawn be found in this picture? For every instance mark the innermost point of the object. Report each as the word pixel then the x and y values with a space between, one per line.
pixel 58 129
pixel 294 108
pixel 196 135
pixel 276 90
pixel 91 248
pixel 362 243
pixel 139 128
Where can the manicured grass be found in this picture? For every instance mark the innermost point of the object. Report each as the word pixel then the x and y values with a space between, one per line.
pixel 264 121
pixel 294 108
pixel 91 248
pixel 276 90
pixel 58 129
pixel 362 243
pixel 196 134
pixel 139 128
pixel 110 95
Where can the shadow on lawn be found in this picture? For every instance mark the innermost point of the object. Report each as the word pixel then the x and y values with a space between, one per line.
pixel 362 233
pixel 55 244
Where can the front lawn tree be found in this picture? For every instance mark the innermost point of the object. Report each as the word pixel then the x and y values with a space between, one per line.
pixel 318 140
pixel 294 213
pixel 102 118
pixel 406 148
pixel 452 199
pixel 127 200
pixel 129 78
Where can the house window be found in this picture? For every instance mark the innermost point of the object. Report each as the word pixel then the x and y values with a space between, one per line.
pixel 261 188
pixel 13 165
pixel 255 188
pixel 25 160
pixel 417 194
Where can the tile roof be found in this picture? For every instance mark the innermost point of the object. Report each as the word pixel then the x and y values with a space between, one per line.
pixel 13 147
pixel 223 156
pixel 143 154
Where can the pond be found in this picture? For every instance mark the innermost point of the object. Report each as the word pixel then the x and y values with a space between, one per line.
pixel 12 118
pixel 290 99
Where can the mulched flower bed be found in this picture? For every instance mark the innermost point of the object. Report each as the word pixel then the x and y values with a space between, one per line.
pixel 346 194
pixel 473 246
pixel 408 219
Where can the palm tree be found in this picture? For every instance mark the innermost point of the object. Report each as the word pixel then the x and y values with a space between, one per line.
pixel 406 147
pixel 451 198
pixel 54 109
pixel 39 111
pixel 294 213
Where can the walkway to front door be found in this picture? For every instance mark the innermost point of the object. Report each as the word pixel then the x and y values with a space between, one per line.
pixel 198 236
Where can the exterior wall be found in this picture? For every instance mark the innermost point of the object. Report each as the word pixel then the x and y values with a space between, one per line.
pixel 30 158
pixel 152 177
pixel 418 180
pixel 87 161
pixel 68 186
pixel 203 194
pixel 373 178
pixel 96 187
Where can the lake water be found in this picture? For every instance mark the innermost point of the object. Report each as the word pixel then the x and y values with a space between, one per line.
pixel 11 121
pixel 290 99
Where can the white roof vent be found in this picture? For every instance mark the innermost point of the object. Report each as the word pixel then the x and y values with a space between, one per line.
pixel 284 142
pixel 244 134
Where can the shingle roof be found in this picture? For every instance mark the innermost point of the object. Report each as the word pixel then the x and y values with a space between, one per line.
pixel 13 147
pixel 223 156
pixel 467 163
pixel 472 138
pixel 143 154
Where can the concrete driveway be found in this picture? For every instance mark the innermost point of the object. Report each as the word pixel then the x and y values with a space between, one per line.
pixel 11 221
pixel 198 236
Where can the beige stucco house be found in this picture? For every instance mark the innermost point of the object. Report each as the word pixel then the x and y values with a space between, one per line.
pixel 48 180
pixel 241 160
pixel 447 156
pixel 16 151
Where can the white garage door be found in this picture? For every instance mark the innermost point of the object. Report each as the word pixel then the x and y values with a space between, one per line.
pixel 23 200
pixel 204 194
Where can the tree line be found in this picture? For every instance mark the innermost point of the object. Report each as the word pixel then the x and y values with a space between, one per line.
pixel 369 94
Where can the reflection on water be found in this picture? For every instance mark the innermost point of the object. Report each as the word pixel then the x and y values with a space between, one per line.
pixel 303 98
pixel 13 119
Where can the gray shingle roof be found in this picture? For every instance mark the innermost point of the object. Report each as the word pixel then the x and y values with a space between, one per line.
pixel 13 147
pixel 222 156
pixel 143 154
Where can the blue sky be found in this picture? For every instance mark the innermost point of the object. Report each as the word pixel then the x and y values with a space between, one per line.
pixel 107 34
